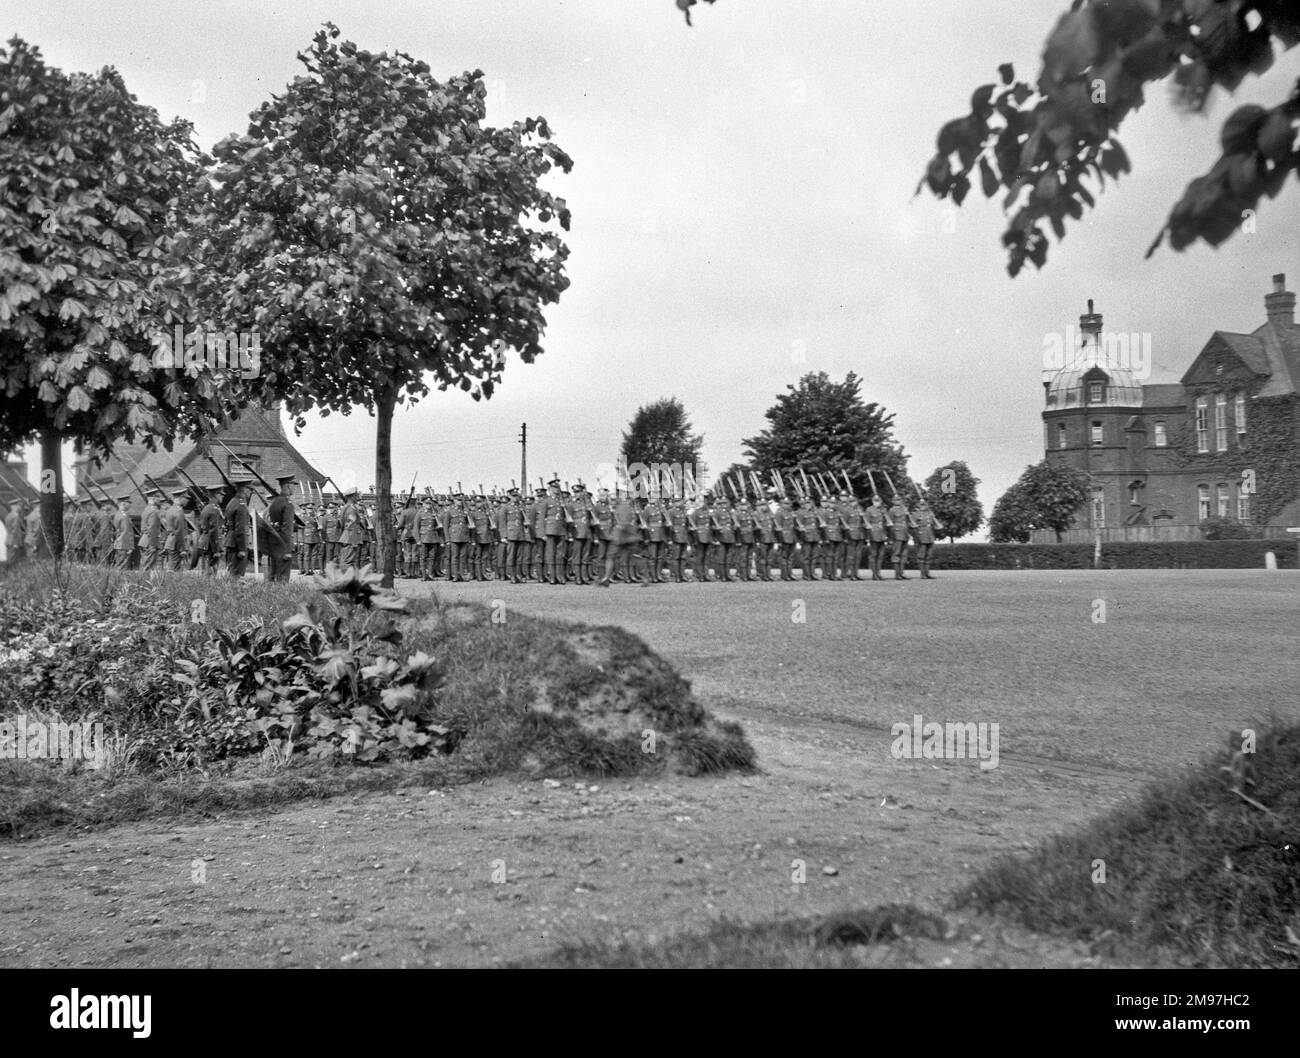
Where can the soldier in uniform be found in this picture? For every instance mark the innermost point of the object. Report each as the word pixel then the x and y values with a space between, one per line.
pixel 280 518
pixel 427 536
pixel 407 537
pixel 175 530
pixel 878 525
pixel 785 526
pixel 724 534
pixel 151 536
pixel 745 536
pixel 579 512
pixel 311 539
pixel 15 530
pixel 123 533
pixel 350 530
pixel 207 536
pixel 482 542
pixel 553 526
pixel 238 531
pixel 901 523
pixel 700 520
pixel 331 532
pixel 511 520
pixel 764 537
pixel 828 513
pixel 656 523
pixel 602 533
pixel 925 526
pixel 34 533
pixel 626 537
pixel 856 534
pixel 457 523
pixel 679 532
pixel 808 525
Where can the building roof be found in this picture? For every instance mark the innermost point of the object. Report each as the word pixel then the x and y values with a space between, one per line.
pixel 1163 395
pixel 256 434
pixel 1280 345
pixel 14 484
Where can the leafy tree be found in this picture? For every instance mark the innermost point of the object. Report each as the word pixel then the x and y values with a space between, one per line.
pixel 1011 520
pixel 661 433
pixel 90 181
pixel 376 231
pixel 825 425
pixel 951 493
pixel 1040 142
pixel 1046 496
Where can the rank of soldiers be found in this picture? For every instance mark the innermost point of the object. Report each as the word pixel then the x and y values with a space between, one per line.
pixel 554 535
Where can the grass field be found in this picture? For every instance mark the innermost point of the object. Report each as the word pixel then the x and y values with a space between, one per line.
pixel 1181 659
pixel 680 871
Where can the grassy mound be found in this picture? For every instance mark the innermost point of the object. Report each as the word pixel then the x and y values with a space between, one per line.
pixel 521 696
pixel 1205 866
pixel 548 698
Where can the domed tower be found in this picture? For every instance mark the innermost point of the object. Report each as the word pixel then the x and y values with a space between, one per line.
pixel 1093 408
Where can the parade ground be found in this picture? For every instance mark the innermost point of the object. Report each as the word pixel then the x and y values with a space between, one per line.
pixel 1087 711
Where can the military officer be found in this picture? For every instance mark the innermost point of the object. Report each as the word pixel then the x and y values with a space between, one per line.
pixel 745 537
pixel 175 530
pixel 238 531
pixel 311 539
pixel 679 531
pixel 151 538
pixel 579 512
pixel 764 533
pixel 656 522
pixel 280 518
pixel 724 536
pixel 899 530
pixel 700 520
pixel 855 534
pixel 331 532
pixel 123 533
pixel 925 526
pixel 878 524
pixel 833 527
pixel 808 526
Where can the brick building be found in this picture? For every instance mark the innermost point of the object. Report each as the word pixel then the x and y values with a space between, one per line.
pixel 1224 441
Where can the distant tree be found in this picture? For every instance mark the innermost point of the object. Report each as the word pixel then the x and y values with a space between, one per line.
pixel 1046 496
pixel 89 185
pixel 662 433
pixel 1011 520
pixel 1040 141
pixel 824 425
pixel 951 492
pixel 375 231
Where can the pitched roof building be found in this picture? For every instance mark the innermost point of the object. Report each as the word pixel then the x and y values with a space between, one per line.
pixel 1222 442
pixel 256 438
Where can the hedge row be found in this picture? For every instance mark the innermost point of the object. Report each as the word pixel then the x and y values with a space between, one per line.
pixel 1183 554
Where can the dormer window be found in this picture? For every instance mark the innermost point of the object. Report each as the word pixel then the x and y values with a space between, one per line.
pixel 1096 392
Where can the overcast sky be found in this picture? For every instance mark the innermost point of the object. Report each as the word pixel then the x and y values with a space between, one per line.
pixel 743 213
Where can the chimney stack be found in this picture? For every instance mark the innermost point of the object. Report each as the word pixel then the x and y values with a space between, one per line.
pixel 1280 305
pixel 1090 325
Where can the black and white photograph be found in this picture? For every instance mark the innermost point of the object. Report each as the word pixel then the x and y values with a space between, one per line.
pixel 651 484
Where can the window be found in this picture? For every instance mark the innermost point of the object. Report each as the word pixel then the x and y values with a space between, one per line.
pixel 1202 427
pixel 1098 508
pixel 1239 413
pixel 1243 506
pixel 1061 436
pixel 1162 438
pixel 1096 432
pixel 1202 502
pixel 1221 495
pixel 1095 391
pixel 1221 422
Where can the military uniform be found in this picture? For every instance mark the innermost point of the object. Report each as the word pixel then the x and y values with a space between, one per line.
pixel 175 530
pixel 123 535
pixel 764 539
pixel 785 527
pixel 700 520
pixel 724 535
pixel 679 532
pixel 458 537
pixel 878 524
pixel 151 535
pixel 899 531
pixel 656 527
pixel 745 537
pixel 238 534
pixel 331 532
pixel 580 514
pixel 925 525
pixel 281 516
pixel 311 539
pixel 808 525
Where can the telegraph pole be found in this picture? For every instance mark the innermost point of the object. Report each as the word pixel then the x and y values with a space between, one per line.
pixel 523 459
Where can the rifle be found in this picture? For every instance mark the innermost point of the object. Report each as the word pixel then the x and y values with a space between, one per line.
pixel 889 481
pixel 872 480
pixel 265 484
pixel 807 488
pixel 848 484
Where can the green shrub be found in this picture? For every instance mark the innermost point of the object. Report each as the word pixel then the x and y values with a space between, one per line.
pixel 1182 554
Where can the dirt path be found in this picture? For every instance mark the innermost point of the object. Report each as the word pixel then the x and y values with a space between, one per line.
pixel 407 879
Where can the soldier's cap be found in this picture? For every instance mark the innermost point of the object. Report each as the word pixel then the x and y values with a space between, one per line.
pixel 553 482
pixel 282 478
pixel 354 491
pixel 513 492
pixel 180 492
pixel 126 496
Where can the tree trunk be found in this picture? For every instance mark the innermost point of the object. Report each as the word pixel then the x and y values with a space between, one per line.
pixel 52 492
pixel 385 535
